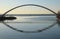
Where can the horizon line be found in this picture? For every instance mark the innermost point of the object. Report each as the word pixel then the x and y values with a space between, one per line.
pixel 29 14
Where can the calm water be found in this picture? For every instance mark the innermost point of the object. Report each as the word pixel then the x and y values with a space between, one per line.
pixel 51 29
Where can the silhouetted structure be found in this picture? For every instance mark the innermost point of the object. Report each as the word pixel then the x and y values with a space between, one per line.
pixel 58 17
pixel 6 18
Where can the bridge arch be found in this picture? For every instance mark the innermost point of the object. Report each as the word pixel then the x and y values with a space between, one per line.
pixel 30 5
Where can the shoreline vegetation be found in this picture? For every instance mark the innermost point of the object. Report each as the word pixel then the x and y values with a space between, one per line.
pixel 29 14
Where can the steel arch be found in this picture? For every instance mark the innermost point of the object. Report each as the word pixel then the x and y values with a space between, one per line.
pixel 29 5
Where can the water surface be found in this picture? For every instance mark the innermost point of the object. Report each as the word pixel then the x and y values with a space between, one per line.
pixel 31 23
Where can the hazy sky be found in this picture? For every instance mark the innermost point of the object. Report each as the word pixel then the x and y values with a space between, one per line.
pixel 8 4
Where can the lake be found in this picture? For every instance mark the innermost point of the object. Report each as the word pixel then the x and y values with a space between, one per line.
pixel 33 27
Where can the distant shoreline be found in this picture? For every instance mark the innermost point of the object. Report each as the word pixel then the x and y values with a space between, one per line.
pixel 30 14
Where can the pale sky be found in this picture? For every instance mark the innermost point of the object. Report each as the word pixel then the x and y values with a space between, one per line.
pixel 5 5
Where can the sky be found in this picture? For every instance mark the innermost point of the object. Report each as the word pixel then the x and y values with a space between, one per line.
pixel 6 5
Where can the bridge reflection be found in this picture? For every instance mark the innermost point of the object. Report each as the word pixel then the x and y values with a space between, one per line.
pixel 41 30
